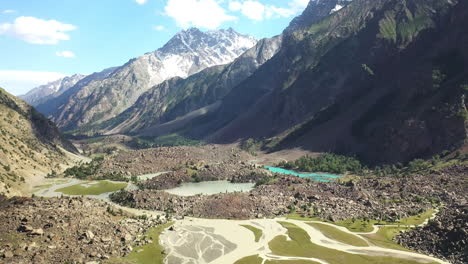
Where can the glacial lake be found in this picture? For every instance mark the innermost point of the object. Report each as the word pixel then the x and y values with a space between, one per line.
pixel 210 187
pixel 323 177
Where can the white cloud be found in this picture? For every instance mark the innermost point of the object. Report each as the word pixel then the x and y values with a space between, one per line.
pixel 65 54
pixel 159 28
pixel 257 11
pixel 20 82
pixel 251 9
pixel 141 2
pixel 298 5
pixel 8 11
pixel 37 31
pixel 197 13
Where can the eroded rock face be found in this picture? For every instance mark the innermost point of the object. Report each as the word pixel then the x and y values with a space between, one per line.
pixel 446 236
pixel 60 230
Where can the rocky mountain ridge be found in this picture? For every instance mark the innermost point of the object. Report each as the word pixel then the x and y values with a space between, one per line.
pixel 361 81
pixel 188 52
pixel 185 99
pixel 50 90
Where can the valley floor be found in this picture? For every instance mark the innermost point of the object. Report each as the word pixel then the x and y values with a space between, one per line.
pixel 355 219
pixel 228 241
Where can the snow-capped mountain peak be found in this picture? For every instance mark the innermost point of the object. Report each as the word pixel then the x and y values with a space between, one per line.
pixel 51 89
pixel 193 50
pixel 188 52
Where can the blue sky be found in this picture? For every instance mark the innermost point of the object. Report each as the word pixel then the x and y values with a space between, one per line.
pixel 42 40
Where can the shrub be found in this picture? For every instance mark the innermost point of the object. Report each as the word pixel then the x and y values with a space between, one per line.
pixel 327 162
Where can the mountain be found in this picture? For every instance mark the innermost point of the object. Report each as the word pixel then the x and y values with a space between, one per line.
pixel 187 53
pixel 384 79
pixel 53 89
pixel 315 11
pixel 32 146
pixel 53 105
pixel 178 97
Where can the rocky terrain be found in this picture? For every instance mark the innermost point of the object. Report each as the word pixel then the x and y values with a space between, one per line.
pixel 446 236
pixel 387 199
pixel 236 173
pixel 154 160
pixel 66 230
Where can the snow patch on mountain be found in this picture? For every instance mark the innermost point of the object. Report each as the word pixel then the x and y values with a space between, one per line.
pixel 47 91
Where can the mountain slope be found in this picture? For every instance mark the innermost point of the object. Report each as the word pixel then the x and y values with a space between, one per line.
pixel 55 105
pixel 186 53
pixel 53 89
pixel 177 97
pixel 381 79
pixel 31 145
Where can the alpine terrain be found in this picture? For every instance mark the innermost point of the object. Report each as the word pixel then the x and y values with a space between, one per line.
pixel 339 137
pixel 188 52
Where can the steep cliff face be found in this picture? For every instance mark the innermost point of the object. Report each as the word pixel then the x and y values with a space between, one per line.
pixel 31 147
pixel 187 53
pixel 178 97
pixel 385 80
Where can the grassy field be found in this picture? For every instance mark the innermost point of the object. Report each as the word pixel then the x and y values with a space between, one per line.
pixel 301 246
pixel 290 262
pixel 258 260
pixel 150 253
pixel 49 183
pixel 338 235
pixel 296 216
pixel 384 237
pixel 362 226
pixel 92 188
pixel 357 225
pixel 257 232
pixel 417 219
pixel 255 259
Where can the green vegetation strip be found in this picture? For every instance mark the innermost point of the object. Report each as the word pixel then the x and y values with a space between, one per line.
pixel 417 219
pixel 361 225
pixel 358 225
pixel 255 259
pixel 152 253
pixel 290 262
pixel 353 225
pixel 301 246
pixel 92 188
pixel 338 235
pixel 384 237
pixel 257 232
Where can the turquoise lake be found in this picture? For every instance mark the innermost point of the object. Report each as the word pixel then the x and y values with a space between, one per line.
pixel 323 177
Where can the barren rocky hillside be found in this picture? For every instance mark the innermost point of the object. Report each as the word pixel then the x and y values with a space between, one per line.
pixel 32 146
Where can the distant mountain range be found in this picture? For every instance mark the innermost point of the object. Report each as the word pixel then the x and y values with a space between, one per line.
pixel 51 90
pixel 99 98
pixel 382 79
